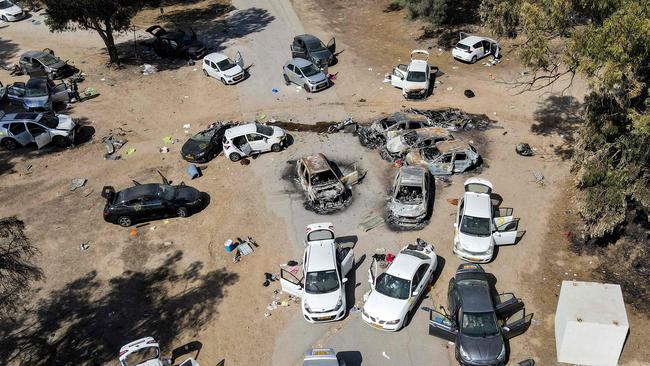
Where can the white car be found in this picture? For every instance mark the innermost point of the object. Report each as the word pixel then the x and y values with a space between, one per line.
pixel 222 67
pixel 477 230
pixel 146 352
pixel 10 12
pixel 472 48
pixel 325 267
pixel 414 79
pixel 395 293
pixel 252 138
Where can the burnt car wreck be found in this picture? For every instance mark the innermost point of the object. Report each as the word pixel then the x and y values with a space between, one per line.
pixel 326 189
pixel 375 135
pixel 409 201
pixel 445 158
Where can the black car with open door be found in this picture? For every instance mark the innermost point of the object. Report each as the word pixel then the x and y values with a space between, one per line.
pixel 478 321
pixel 205 145
pixel 144 202
pixel 311 48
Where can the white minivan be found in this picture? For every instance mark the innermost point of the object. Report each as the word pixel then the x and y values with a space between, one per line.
pixel 252 138
pixel 325 267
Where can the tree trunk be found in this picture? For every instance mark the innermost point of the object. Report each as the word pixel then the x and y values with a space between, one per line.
pixel 107 37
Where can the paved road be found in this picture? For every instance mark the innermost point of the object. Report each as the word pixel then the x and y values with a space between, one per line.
pixel 267 49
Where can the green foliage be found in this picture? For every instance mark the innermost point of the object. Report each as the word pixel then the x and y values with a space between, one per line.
pixel 434 11
pixel 501 16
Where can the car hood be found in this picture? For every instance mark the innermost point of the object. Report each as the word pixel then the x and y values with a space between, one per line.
pixel 383 307
pixel 193 147
pixel 66 123
pixel 482 349
pixel 233 71
pixel 407 210
pixel 322 55
pixel 322 302
pixel 187 194
pixel 318 78
pixel 411 85
pixel 13 10
pixel 35 102
pixel 475 244
pixel 152 362
pixel 278 132
pixel 396 145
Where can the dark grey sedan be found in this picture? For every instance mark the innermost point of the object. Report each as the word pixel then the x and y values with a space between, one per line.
pixel 304 73
pixel 474 317
pixel 311 48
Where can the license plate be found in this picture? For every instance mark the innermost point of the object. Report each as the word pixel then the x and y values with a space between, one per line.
pixel 326 318
pixel 376 326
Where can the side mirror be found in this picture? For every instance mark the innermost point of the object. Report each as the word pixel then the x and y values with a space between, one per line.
pixel 453 225
pixel 402 78
pixel 415 293
pixel 345 280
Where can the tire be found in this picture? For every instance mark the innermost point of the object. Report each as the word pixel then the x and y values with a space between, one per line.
pixel 276 147
pixel 9 144
pixel 286 80
pixel 205 73
pixel 61 141
pixel 124 221
pixel 223 81
pixel 306 87
pixel 473 60
pixel 234 157
pixel 181 212
pixel 4 19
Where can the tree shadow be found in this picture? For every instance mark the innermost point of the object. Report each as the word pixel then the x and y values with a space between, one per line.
pixel 89 319
pixel 559 114
pixel 8 50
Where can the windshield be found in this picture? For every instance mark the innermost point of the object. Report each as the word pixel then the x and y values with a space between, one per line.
pixel 264 130
pixel 416 76
pixel 315 45
pixel 463 47
pixel 4 4
pixel 204 136
pixel 226 64
pixel 167 192
pixel 409 195
pixel 48 59
pixel 36 88
pixel 321 282
pixel 50 120
pixel 320 235
pixel 310 70
pixel 324 177
pixel 142 355
pixel 479 226
pixel 479 324
pixel 392 286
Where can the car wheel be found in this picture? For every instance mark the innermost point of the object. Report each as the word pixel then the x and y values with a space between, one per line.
pixel 286 80
pixel 61 141
pixel 306 87
pixel 223 81
pixel 276 147
pixel 234 157
pixel 181 212
pixel 473 60
pixel 205 73
pixel 4 19
pixel 9 144
pixel 124 221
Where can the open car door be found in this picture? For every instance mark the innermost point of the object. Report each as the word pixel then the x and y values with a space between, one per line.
pixel 372 273
pixel 506 226
pixel 352 178
pixel 517 324
pixel 189 362
pixel 290 283
pixel 331 45
pixel 60 93
pixel 420 55
pixel 347 262
pixel 398 76
pixel 42 139
pixel 16 92
pixel 239 60
pixel 507 304
pixel 441 326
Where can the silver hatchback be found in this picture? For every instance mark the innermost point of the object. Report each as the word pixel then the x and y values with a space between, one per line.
pixel 306 74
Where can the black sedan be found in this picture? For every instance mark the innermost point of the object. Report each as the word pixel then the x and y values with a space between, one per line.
pixel 479 321
pixel 152 201
pixel 176 44
pixel 312 49
pixel 205 145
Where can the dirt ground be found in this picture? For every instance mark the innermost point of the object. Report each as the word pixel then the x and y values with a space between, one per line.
pixel 173 279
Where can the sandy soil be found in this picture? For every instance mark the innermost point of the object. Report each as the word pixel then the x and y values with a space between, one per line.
pixel 174 281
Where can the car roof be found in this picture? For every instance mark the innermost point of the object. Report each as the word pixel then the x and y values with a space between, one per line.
pixel 412 175
pixel 474 292
pixel 34 54
pixel 471 40
pixel 320 255
pixel 32 116
pixel 300 62
pixel 138 191
pixel 404 266
pixel 418 65
pixel 428 132
pixel 478 204
pixel 215 57
pixel 308 38
pixel 36 81
pixel 450 145
pixel 240 130
pixel 316 163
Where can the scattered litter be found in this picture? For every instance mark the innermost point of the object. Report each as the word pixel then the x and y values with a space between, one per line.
pixel 133 233
pixel 164 150
pixel 168 243
pixel 149 69
pixel 449 88
pixel 469 93
pixel 166 221
pixel 77 183
pixel 274 91
pixel 386 78
pixel 332 76
pixel 371 223
pixel 261 117
pixel 539 178
pixel 452 119
pixel 266 315
pixel 152 228
pixel 452 201
pixel 455 67
pixel 167 140
pixel 370 69
pixel 186 96
pixel 89 91
pixel 28 169
pixel 524 149
pixel 187 126
pixel 362 100
pixel 130 151
pixel 272 306
pixel 355 309
pixel 229 245
pixel 193 171
pixel 102 79
pixel 84 246
pixel 244 161
pixel 194 69
pixel 385 355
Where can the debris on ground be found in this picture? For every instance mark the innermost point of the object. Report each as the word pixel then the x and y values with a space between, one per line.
pixel 164 150
pixel 77 183
pixel 524 149
pixel 167 140
pixel 84 246
pixel 130 151
pixel 193 171
pixel 243 247
pixel 342 125
pixel 469 93
pixel 371 223
pixel 539 178
pixel 452 201
pixel 453 119
pixel 149 69
pixel 244 161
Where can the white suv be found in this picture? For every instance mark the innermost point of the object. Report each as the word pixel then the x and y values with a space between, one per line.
pixel 477 230
pixel 252 138
pixel 414 79
pixel 325 267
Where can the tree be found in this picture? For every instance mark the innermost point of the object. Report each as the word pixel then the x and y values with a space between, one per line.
pixel 106 17
pixel 16 268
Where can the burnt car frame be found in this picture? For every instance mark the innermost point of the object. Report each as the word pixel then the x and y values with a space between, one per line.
pixel 399 143
pixel 176 44
pixel 326 189
pixel 479 320
pixel 445 158
pixel 400 122
pixel 410 198
pixel 145 202
pixel 205 145
pixel 311 48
